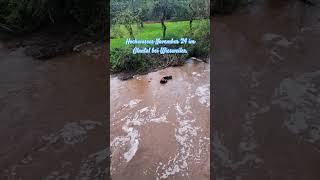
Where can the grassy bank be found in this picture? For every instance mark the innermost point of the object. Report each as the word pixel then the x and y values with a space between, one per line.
pixel 122 59
pixel 150 31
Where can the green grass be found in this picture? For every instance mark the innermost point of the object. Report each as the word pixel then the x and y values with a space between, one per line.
pixel 123 60
pixel 151 31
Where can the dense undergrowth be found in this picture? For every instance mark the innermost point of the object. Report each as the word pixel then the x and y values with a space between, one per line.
pixel 23 16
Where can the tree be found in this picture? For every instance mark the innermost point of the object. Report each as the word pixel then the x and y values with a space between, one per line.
pixel 140 16
pixel 192 12
pixel 127 18
pixel 163 9
pixel 142 11
pixel 197 9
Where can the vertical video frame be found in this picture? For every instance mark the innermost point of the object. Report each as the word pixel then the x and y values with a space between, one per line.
pixel 160 89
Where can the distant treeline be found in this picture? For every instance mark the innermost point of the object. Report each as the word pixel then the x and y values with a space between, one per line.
pixel 20 16
pixel 154 10
pixel 128 12
pixel 226 6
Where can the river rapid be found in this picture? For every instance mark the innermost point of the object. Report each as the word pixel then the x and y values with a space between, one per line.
pixel 161 131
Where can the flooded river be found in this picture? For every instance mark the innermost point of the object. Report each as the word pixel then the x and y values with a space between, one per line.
pixel 52 117
pixel 161 131
pixel 267 88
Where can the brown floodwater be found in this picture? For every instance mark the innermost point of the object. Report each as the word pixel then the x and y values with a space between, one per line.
pixel 161 131
pixel 267 88
pixel 52 117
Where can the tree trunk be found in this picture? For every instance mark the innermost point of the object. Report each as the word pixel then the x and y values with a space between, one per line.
pixel 129 28
pixel 141 24
pixel 191 16
pixel 164 28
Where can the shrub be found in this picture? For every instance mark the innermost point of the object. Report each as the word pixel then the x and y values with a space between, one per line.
pixel 202 35
pixel 122 59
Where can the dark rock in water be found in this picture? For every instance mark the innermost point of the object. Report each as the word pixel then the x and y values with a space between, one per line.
pixel 167 77
pixel 163 81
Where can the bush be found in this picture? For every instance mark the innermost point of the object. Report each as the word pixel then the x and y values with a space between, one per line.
pixel 202 35
pixel 122 59
pixel 116 32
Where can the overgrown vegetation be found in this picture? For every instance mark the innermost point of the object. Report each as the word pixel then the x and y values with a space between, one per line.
pixel 21 16
pixel 122 59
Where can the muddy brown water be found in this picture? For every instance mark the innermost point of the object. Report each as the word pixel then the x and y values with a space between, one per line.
pixel 267 89
pixel 52 117
pixel 161 131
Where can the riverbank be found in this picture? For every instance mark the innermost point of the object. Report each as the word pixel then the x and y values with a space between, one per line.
pixel 157 64
pixel 48 44
pixel 53 41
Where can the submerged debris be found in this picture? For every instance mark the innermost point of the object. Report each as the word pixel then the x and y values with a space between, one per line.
pixel 165 79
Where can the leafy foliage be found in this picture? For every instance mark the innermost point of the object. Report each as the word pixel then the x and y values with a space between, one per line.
pixel 202 35
pixel 122 59
pixel 127 18
pixel 27 15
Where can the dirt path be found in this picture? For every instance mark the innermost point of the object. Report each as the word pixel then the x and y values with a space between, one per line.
pixel 267 92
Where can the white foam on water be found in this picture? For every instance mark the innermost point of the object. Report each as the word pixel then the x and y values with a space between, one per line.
pixel 191 145
pixel 196 74
pixel 133 144
pixel 203 92
pixel 117 141
pixel 186 133
pixel 132 103
pixel 298 96
pixel 160 119
pixel 131 123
